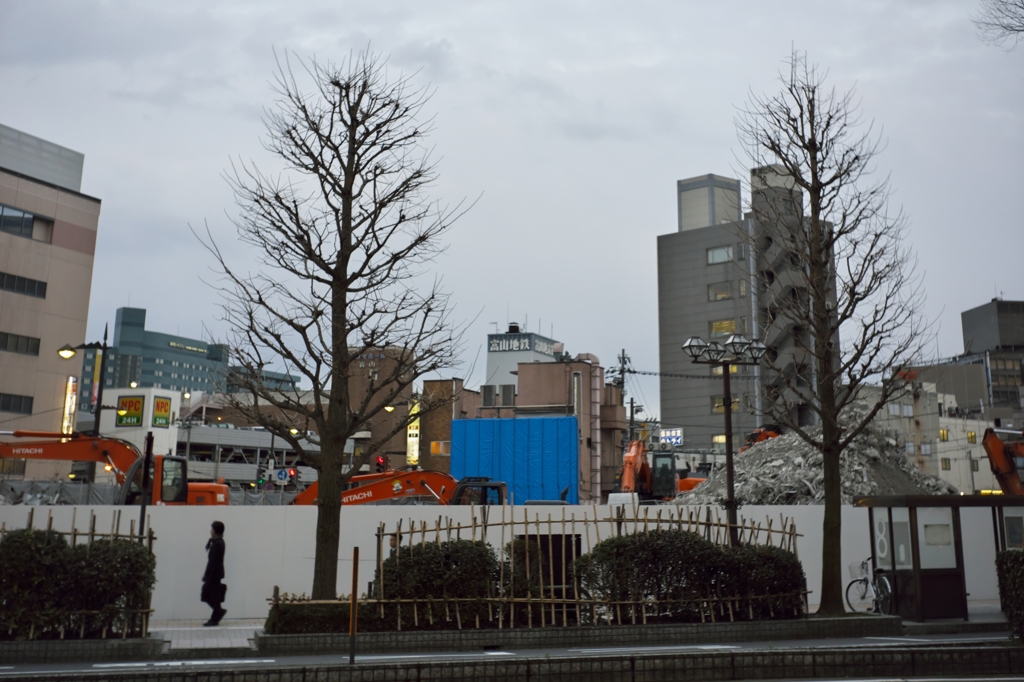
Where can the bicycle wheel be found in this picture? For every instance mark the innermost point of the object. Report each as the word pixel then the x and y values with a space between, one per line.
pixel 883 598
pixel 859 597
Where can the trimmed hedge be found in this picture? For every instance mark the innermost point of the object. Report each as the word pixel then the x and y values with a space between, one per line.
pixel 679 570
pixel 1010 571
pixel 661 565
pixel 45 585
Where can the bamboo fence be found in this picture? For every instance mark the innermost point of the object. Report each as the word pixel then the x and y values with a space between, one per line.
pixel 559 600
pixel 131 617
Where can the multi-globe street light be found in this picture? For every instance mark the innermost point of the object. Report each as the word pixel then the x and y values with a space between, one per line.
pixel 737 350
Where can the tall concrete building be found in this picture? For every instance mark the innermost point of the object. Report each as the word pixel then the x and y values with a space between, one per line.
pixel 504 353
pixel 710 285
pixel 47 244
pixel 994 332
pixel 705 288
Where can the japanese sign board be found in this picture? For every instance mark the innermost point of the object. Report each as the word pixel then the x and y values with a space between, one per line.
pixel 161 412
pixel 504 343
pixel 673 436
pixel 131 405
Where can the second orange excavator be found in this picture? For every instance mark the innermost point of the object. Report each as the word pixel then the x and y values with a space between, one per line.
pixel 1006 460
pixel 411 484
pixel 661 481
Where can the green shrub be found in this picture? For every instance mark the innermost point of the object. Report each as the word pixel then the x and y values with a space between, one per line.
pixel 1010 571
pixel 44 583
pixel 433 572
pixel 674 570
pixel 109 576
pixel 33 580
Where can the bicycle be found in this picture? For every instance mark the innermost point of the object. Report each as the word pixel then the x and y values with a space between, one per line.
pixel 868 593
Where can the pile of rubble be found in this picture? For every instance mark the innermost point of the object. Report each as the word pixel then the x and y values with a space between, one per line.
pixel 786 470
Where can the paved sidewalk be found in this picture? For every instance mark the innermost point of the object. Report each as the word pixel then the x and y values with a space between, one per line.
pixel 190 634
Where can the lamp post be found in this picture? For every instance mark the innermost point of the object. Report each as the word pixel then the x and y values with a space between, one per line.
pixel 67 352
pixel 737 350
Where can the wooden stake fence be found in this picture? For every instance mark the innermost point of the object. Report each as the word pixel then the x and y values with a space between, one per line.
pixel 559 594
pixel 75 537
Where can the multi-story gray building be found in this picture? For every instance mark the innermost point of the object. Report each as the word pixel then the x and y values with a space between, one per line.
pixel 712 284
pixel 994 333
pixel 150 359
pixel 705 288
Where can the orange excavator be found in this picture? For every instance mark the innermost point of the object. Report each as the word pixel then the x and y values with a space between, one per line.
pixel 408 484
pixel 761 433
pixel 1006 459
pixel 168 475
pixel 660 482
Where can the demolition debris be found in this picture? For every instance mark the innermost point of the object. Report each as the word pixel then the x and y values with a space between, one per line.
pixel 786 470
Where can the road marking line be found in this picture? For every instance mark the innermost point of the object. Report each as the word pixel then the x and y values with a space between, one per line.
pixel 499 653
pixel 658 648
pixel 227 661
pixel 119 665
pixel 901 639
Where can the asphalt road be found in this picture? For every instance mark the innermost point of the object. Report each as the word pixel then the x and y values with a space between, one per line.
pixel 262 663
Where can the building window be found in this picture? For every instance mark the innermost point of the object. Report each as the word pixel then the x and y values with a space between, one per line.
pixel 910 448
pixel 719 254
pixel 719 292
pixel 972 437
pixel 721 328
pixel 944 435
pixel 716 371
pixel 19 404
pixel 718 404
pixel 15 343
pixel 739 251
pixel 974 465
pixel 742 288
pixel 440 447
pixel 718 442
pixel 945 464
pixel 926 448
pixel 22 285
pixel 13 221
pixel 12 466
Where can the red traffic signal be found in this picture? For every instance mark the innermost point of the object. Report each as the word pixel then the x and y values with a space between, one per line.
pixel 292 472
pixel 381 464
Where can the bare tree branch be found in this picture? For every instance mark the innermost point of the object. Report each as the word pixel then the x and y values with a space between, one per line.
pixel 841 299
pixel 344 235
pixel 1001 21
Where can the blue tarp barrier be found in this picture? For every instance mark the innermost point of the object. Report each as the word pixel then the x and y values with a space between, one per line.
pixel 537 458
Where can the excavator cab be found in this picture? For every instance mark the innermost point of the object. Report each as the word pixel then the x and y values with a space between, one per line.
pixel 480 490
pixel 168 478
pixel 663 484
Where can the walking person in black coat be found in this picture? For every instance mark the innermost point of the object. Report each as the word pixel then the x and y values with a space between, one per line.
pixel 213 589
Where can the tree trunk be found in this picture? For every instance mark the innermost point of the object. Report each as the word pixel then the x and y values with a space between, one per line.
pixel 328 526
pixel 831 551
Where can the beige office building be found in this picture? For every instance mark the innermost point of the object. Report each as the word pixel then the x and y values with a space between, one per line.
pixel 47 243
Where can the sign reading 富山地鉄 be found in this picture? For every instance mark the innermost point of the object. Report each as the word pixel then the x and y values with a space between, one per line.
pixel 162 412
pixel 131 405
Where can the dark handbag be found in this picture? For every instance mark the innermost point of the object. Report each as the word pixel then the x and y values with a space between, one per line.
pixel 213 592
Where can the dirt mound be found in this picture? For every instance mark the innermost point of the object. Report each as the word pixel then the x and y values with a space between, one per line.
pixel 786 470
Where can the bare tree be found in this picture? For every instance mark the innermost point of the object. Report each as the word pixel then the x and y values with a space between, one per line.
pixel 1001 20
pixel 342 236
pixel 841 303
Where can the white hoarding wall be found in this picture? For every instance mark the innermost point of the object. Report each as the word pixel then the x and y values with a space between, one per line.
pixel 268 546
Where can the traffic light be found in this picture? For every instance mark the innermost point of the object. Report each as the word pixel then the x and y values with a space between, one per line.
pixel 261 476
pixel 293 472
pixel 382 464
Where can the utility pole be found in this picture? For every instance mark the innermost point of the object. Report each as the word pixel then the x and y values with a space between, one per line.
pixel 631 413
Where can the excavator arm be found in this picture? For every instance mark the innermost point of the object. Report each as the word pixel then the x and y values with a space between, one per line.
pixel 1005 460
pixel 398 484
pixel 119 455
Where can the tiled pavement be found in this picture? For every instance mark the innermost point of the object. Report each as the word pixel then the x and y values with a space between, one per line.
pixel 190 634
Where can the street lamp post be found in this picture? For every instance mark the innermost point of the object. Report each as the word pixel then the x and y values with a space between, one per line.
pixel 737 350
pixel 67 352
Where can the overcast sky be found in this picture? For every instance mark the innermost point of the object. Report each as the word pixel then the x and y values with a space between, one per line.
pixel 571 121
